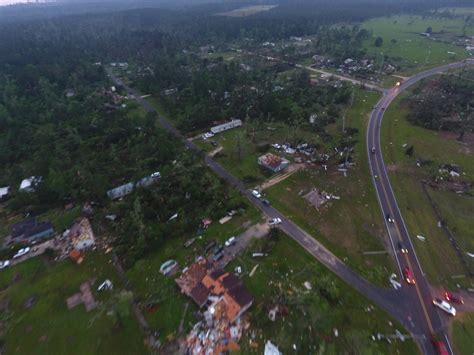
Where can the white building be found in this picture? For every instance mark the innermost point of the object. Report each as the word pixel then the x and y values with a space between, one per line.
pixel 4 192
pixel 226 126
pixel 29 184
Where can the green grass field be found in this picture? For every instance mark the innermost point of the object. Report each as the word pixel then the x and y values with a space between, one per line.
pixel 349 226
pixel 48 327
pixel 329 305
pixel 462 331
pixel 412 51
pixel 419 215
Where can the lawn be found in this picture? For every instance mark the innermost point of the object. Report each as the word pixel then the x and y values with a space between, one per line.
pixel 349 226
pixel 48 327
pixel 330 305
pixel 412 51
pixel 419 215
pixel 462 331
pixel 158 295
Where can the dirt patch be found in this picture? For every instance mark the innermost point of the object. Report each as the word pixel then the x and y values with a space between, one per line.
pixel 393 167
pixel 316 198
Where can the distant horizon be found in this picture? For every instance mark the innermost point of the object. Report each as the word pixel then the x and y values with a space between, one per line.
pixel 14 2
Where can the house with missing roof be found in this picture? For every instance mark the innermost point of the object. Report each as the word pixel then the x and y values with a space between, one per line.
pixel 273 162
pixel 81 235
pixel 215 288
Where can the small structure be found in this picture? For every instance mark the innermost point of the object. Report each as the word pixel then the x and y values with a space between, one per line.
pixel 226 126
pixel 273 162
pixel 29 184
pixel 81 235
pixel 4 193
pixel 168 266
pixel 120 191
pixel 29 230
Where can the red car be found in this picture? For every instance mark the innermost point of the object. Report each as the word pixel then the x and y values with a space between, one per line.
pixel 408 275
pixel 453 298
pixel 440 347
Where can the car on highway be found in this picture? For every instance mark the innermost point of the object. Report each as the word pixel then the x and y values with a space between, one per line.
pixel 445 306
pixel 4 264
pixel 256 194
pixel 402 248
pixel 230 241
pixel 21 252
pixel 450 297
pixel 376 176
pixel 389 219
pixel 373 150
pixel 274 221
pixel 266 202
pixel 408 276
pixel 440 346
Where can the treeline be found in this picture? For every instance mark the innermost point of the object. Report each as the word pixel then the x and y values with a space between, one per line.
pixel 445 103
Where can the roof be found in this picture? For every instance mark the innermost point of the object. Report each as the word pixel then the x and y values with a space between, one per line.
pixel 199 294
pixel 4 191
pixel 29 228
pixel 272 160
pixel 120 191
pixel 240 295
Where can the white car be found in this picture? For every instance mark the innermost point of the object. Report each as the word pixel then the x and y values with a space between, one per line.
pixel 445 306
pixel 274 221
pixel 230 241
pixel 4 264
pixel 21 252
pixel 256 194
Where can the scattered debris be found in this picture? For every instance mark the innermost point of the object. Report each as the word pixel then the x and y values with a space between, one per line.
pixel 85 296
pixel 307 285
pixel 271 349
pixel 395 284
pixel 420 237
pixel 105 286
pixel 253 270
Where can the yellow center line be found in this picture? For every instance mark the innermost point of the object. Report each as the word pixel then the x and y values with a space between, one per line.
pixel 399 235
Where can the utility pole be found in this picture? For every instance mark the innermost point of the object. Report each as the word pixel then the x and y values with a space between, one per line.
pixel 344 116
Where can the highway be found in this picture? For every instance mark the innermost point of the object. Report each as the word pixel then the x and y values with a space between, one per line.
pixel 423 317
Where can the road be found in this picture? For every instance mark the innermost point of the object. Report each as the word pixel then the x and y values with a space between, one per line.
pixel 423 317
pixel 386 299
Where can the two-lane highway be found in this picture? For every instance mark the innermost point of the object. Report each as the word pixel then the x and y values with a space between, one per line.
pixel 425 319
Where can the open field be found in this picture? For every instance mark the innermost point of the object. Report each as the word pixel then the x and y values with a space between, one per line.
pixel 417 211
pixel 412 51
pixel 247 10
pixel 462 331
pixel 330 305
pixel 349 226
pixel 48 327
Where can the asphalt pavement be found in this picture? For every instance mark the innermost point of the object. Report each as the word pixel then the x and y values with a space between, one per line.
pixel 425 320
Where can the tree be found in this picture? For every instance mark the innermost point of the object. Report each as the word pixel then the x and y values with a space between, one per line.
pixel 429 30
pixel 378 42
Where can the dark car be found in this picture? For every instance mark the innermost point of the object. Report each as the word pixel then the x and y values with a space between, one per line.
pixel 389 219
pixel 218 253
pixel 402 248
pixel 266 202
pixel 209 245
pixel 214 143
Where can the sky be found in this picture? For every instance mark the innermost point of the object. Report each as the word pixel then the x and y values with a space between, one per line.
pixel 8 2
